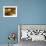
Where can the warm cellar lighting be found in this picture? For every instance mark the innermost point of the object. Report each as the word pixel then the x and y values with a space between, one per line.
pixel 10 11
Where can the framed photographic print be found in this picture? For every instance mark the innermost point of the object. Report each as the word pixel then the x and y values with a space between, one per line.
pixel 32 32
pixel 9 11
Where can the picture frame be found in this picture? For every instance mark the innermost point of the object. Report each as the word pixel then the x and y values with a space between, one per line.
pixel 39 28
pixel 9 11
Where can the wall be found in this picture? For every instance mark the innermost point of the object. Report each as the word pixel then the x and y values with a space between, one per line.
pixel 29 12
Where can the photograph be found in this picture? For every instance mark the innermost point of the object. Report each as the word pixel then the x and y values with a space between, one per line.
pixel 9 11
pixel 30 33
